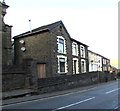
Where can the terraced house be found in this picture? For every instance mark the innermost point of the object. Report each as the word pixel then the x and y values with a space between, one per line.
pixel 97 62
pixel 54 50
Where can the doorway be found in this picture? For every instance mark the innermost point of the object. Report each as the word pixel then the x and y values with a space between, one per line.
pixel 41 69
pixel 74 62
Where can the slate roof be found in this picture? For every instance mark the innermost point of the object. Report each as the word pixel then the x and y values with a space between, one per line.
pixel 98 54
pixel 40 29
pixel 44 28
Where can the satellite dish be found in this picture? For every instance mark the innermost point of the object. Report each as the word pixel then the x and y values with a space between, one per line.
pixel 23 49
pixel 22 41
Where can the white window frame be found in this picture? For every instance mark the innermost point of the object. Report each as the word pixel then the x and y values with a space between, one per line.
pixel 84 66
pixel 104 61
pixel 81 46
pixel 64 45
pixel 66 65
pixel 77 66
pixel 74 43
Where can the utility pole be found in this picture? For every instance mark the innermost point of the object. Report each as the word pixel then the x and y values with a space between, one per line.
pixel 30 26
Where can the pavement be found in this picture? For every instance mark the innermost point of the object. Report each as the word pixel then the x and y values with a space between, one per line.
pixel 16 93
pixel 103 96
pixel 45 95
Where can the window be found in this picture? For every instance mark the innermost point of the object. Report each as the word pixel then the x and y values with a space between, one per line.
pixel 82 50
pixel 104 61
pixel 104 68
pixel 61 46
pixel 62 64
pixel 74 49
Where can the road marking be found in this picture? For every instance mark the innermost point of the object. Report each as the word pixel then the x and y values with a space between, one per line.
pixel 49 97
pixel 53 96
pixel 116 107
pixel 112 91
pixel 73 104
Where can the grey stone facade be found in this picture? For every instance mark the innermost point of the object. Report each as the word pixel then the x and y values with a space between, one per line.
pixel 5 33
pixel 42 45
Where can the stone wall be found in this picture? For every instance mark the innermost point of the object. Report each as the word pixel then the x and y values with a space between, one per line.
pixel 73 81
pixel 13 81
pixel 25 77
pixel 37 48
pixel 16 77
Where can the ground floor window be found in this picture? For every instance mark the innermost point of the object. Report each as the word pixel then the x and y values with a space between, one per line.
pixel 104 68
pixel 62 64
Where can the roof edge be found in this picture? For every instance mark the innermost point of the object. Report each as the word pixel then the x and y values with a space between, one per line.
pixel 98 54
pixel 53 25
pixel 78 42
pixel 30 33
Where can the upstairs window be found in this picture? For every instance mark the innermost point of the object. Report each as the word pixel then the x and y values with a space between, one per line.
pixel 74 49
pixel 82 50
pixel 61 44
pixel 104 61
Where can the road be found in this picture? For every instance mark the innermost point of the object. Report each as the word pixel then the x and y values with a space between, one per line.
pixel 104 96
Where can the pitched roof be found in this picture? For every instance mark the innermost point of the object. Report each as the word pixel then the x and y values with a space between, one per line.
pixel 46 28
pixel 79 42
pixel 98 54
pixel 39 29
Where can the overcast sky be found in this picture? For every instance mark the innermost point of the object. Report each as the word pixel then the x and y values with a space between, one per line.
pixel 93 22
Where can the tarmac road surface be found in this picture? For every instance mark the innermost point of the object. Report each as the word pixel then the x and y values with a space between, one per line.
pixel 104 96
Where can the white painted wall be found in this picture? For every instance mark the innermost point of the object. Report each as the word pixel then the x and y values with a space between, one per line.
pixel 95 62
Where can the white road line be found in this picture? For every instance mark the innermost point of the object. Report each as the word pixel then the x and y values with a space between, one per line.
pixel 112 91
pixel 73 104
pixel 50 97
pixel 116 107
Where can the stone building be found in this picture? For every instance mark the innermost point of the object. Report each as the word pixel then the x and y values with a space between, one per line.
pixel 5 34
pixel 54 50
pixel 97 62
pixel 105 64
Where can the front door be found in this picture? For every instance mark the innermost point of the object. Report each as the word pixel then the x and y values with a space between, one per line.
pixel 41 68
pixel 75 66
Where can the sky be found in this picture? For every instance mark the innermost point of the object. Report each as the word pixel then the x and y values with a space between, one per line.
pixel 92 22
